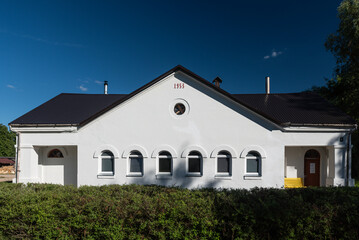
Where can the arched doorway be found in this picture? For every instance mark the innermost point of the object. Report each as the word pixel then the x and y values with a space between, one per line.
pixel 312 168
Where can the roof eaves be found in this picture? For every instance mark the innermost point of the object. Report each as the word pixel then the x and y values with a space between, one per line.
pixel 43 125
pixel 347 125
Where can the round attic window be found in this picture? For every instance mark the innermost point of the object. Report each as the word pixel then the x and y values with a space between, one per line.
pixel 179 109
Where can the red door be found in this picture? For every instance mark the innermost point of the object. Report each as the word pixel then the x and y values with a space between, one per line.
pixel 312 168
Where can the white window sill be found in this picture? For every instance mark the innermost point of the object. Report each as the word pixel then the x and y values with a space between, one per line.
pixel 163 176
pixel 194 174
pixel 225 176
pixel 136 174
pixel 106 176
pixel 252 177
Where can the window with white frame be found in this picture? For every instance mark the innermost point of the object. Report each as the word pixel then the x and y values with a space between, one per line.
pixel 224 163
pixel 253 163
pixel 135 164
pixel 165 163
pixel 194 164
pixel 107 163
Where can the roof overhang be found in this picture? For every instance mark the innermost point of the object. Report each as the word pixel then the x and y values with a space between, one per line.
pixel 319 127
pixel 43 127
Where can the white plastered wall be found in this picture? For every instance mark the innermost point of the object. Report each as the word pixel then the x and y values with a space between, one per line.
pixel 147 121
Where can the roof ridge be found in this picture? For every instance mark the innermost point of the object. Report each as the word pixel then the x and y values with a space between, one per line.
pixel 253 102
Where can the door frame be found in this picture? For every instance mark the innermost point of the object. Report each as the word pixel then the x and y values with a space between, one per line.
pixel 317 167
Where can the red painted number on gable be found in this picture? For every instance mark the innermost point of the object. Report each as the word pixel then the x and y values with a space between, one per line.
pixel 178 86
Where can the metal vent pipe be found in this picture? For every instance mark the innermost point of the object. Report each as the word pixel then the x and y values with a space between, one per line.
pixel 106 86
pixel 267 85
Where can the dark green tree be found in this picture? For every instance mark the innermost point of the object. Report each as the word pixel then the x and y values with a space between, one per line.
pixel 344 44
pixel 343 88
pixel 7 142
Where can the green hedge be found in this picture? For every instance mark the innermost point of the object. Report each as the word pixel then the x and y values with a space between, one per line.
pixel 153 212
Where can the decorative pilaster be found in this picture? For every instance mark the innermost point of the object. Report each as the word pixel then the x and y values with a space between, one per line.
pixel 339 165
pixel 28 164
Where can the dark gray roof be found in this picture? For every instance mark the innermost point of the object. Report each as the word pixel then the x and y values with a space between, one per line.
pixel 292 109
pixel 295 109
pixel 68 109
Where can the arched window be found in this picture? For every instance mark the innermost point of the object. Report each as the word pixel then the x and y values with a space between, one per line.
pixel 312 154
pixel 55 153
pixel 253 163
pixel 135 163
pixel 194 164
pixel 107 163
pixel 165 163
pixel 224 163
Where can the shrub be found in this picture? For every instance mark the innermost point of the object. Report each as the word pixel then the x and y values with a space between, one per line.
pixel 152 212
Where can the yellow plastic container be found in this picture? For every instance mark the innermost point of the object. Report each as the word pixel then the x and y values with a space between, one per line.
pixel 293 183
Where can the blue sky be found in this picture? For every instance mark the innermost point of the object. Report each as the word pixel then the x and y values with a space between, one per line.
pixel 51 47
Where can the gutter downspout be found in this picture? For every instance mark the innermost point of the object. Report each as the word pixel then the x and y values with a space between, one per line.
pixel 17 165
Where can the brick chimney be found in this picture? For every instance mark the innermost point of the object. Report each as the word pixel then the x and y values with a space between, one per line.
pixel 217 81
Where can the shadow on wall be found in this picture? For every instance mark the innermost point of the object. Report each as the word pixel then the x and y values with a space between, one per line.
pixel 235 107
pixel 339 165
pixel 179 176
pixel 178 179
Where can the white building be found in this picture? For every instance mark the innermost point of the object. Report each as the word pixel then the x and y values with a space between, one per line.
pixel 181 130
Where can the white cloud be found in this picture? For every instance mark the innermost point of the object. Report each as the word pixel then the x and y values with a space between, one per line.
pixel 276 54
pixel 10 86
pixel 273 54
pixel 98 82
pixel 83 88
